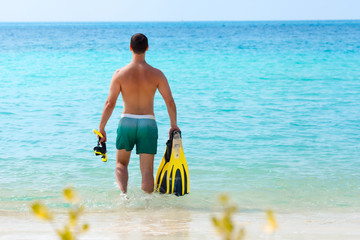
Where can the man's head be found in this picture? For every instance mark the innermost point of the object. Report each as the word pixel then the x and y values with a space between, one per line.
pixel 139 43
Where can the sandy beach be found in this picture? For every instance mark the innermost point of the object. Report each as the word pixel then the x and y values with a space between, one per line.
pixel 143 224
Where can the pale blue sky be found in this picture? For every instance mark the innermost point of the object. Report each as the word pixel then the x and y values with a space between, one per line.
pixel 176 10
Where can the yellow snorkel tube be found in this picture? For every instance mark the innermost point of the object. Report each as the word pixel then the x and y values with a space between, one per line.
pixel 100 149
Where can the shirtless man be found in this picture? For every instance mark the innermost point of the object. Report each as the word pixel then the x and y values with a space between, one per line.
pixel 137 82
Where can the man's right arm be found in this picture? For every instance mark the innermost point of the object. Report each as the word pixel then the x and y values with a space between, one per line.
pixel 165 92
pixel 110 103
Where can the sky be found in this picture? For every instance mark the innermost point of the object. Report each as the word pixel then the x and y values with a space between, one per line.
pixel 176 10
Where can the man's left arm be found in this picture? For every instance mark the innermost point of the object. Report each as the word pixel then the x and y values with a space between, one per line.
pixel 110 103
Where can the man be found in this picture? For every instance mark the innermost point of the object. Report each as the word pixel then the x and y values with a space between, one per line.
pixel 137 82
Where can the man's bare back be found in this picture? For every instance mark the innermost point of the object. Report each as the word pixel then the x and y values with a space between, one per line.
pixel 137 82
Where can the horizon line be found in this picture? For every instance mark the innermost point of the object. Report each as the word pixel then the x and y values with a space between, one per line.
pixel 178 21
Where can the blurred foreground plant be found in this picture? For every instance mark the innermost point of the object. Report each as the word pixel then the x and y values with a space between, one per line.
pixel 224 224
pixel 271 222
pixel 226 227
pixel 71 228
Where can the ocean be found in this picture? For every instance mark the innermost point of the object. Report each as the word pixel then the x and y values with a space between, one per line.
pixel 269 113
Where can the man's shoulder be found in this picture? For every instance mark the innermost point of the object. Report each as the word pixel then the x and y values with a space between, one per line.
pixel 156 72
pixel 121 72
pixel 127 70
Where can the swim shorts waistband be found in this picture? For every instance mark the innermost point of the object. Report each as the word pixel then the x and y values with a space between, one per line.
pixel 128 115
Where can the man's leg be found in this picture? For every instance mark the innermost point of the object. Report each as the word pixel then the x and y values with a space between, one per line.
pixel 147 172
pixel 121 170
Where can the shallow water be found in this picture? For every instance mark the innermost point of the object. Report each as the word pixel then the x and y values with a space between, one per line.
pixel 269 112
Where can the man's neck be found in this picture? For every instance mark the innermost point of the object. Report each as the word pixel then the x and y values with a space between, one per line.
pixel 138 58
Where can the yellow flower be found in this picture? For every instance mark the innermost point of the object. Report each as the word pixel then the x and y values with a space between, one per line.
pixel 230 210
pixel 241 234
pixel 41 211
pixel 85 227
pixel 70 195
pixel 66 234
pixel 215 221
pixel 224 199
pixel 227 224
pixel 71 229
pixel 271 222
pixel 73 217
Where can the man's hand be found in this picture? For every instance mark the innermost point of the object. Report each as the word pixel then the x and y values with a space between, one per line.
pixel 102 131
pixel 173 128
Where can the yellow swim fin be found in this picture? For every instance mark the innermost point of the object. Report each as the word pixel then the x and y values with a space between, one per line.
pixel 172 176
pixel 161 174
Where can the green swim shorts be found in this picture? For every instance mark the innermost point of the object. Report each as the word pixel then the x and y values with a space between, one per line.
pixel 139 130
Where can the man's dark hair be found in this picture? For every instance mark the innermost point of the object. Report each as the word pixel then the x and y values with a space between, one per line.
pixel 139 43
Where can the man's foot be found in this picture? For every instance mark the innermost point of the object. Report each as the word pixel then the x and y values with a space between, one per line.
pixel 124 196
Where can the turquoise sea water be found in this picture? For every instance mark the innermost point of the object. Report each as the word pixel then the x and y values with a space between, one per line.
pixel 270 112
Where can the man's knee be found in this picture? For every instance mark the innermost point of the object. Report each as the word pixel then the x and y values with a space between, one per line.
pixel 122 157
pixel 121 166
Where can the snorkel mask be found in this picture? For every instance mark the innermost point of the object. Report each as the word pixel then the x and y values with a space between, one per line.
pixel 100 149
